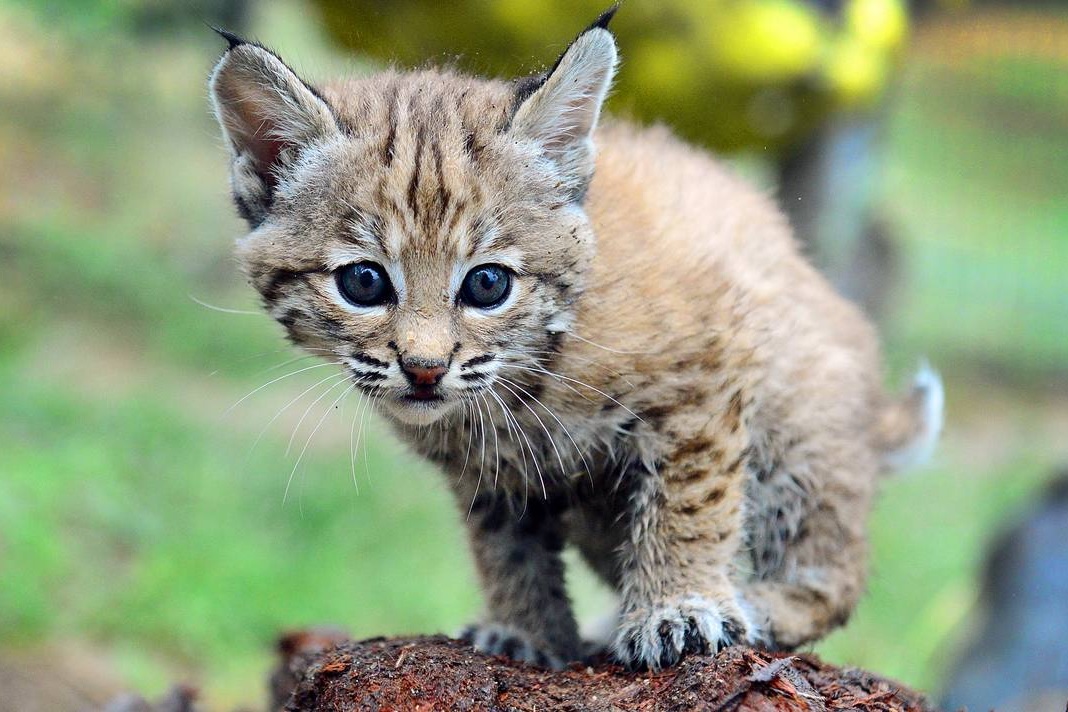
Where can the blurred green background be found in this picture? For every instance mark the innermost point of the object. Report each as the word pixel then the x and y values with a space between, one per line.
pixel 144 537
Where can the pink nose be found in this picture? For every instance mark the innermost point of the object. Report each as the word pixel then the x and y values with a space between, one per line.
pixel 423 372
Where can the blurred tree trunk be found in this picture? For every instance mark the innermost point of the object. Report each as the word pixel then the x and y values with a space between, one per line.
pixel 827 187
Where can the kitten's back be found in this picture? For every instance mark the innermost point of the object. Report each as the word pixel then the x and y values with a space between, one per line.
pixel 679 234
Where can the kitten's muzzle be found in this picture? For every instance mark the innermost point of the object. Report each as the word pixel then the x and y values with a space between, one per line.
pixel 424 375
pixel 422 372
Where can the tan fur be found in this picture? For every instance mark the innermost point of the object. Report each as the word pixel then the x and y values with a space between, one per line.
pixel 670 387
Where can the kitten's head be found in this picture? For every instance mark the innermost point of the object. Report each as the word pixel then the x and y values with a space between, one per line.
pixel 425 228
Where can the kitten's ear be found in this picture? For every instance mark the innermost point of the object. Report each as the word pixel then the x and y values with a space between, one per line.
pixel 560 111
pixel 267 114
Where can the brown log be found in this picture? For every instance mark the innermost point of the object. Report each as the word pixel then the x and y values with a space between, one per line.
pixel 437 673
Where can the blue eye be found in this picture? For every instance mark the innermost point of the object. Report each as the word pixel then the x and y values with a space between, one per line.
pixel 364 284
pixel 486 286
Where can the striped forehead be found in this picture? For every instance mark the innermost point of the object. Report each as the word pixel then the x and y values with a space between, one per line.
pixel 432 186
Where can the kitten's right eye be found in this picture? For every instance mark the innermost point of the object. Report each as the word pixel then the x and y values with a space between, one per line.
pixel 364 284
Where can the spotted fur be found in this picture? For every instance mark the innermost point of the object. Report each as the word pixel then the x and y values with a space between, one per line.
pixel 669 386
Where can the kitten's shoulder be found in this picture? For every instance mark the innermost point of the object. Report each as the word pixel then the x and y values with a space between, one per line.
pixel 654 150
pixel 652 189
pixel 650 169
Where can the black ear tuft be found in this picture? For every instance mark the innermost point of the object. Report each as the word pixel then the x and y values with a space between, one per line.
pixel 558 112
pixel 525 86
pixel 606 17
pixel 231 39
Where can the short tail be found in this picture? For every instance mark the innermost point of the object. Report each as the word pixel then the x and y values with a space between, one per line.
pixel 908 428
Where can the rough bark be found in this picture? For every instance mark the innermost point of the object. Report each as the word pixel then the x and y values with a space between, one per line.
pixel 324 673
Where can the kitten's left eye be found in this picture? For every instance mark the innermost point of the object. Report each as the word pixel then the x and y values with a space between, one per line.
pixel 486 286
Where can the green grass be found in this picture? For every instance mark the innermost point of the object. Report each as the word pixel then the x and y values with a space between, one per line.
pixel 135 513
pixel 132 522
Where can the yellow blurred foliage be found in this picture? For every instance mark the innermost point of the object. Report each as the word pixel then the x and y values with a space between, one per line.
pixel 728 73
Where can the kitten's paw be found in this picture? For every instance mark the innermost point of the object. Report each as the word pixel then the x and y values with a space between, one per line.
pixel 500 639
pixel 659 635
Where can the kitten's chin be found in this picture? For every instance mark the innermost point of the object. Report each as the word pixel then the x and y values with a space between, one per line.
pixel 415 412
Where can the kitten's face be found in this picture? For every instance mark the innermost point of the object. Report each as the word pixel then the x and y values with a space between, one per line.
pixel 425 229
pixel 423 293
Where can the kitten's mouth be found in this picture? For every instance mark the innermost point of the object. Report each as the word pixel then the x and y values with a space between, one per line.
pixel 423 395
pixel 419 405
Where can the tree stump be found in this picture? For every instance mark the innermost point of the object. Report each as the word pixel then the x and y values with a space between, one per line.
pixel 325 673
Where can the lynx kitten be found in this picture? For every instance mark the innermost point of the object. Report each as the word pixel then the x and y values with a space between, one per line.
pixel 597 332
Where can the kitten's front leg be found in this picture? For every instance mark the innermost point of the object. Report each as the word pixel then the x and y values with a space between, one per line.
pixel 684 529
pixel 517 553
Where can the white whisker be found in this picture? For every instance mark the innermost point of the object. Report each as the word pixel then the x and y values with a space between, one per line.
pixel 496 448
pixel 573 380
pixel 537 353
pixel 286 407
pixel 610 350
pixel 261 354
pixel 224 310
pixel 296 428
pixel 359 438
pixel 508 420
pixel 470 439
pixel 286 363
pixel 353 443
pixel 276 380
pixel 533 455
pixel 563 427
pixel 482 458
pixel 559 459
pixel 313 432
pixel 482 430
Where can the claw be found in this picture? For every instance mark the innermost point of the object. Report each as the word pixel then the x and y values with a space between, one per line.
pixel 658 636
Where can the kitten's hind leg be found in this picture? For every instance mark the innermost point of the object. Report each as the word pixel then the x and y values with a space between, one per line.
pixel 820 568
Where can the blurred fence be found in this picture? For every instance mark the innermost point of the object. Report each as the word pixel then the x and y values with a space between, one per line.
pixel 978 176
